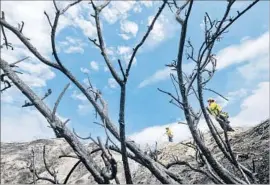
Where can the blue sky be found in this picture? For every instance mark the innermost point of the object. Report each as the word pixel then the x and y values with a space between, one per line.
pixel 243 65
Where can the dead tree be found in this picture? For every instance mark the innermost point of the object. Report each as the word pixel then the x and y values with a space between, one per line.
pixel 159 171
pixel 205 64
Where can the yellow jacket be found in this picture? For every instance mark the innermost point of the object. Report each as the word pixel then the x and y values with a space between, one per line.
pixel 169 133
pixel 214 109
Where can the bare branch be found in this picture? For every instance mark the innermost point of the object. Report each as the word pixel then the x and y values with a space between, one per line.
pixel 22 27
pixel 101 7
pixel 14 63
pixel 94 41
pixel 83 138
pixel 58 101
pixel 121 68
pixel 70 5
pixel 36 176
pixel 216 93
pixel 28 44
pixel 53 174
pixel 71 171
pixel 98 124
pixel 68 156
pixel 144 38
pixel 177 100
pixel 109 162
pixel 28 104
pixel 178 162
pixel 66 122
pixel 55 6
pixel 174 80
pixel 179 10
pixel 102 44
pixel 6 82
pixel 48 18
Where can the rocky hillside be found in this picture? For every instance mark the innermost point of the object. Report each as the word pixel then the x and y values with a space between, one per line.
pixel 251 144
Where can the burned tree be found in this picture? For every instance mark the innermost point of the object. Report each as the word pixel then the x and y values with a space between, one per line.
pixel 164 175
pixel 205 63
pixel 128 149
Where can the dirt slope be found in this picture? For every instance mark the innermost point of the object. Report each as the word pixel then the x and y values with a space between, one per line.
pixel 250 144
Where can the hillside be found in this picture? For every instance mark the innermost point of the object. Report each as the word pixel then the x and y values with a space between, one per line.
pixel 250 144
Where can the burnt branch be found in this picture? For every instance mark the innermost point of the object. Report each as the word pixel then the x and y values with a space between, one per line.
pixel 179 10
pixel 70 5
pixel 84 138
pixel 28 104
pixel 48 18
pixel 174 85
pixel 173 97
pixel 21 60
pixel 71 171
pixel 121 68
pixel 36 176
pixel 144 37
pixel 179 162
pixel 58 101
pixel 94 41
pixel 101 41
pixel 56 124
pixel 26 42
pixel 52 173
pixel 68 156
pixel 6 82
pixel 3 32
pixel 111 165
pixel 216 93
pixel 55 6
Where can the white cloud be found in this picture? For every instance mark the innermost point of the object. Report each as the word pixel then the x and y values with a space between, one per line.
pixel 117 10
pixel 23 124
pixel 75 17
pixel 164 74
pixel 247 50
pixel 256 69
pixel 74 49
pixel 245 38
pixel 78 96
pixel 84 106
pixel 124 36
pixel 147 3
pixel 137 8
pixel 239 93
pixel 112 83
pixel 240 4
pixel 84 70
pixel 255 107
pixel 110 50
pixel 125 53
pixel 123 50
pixel 94 65
pixel 162 27
pixel 37 29
pixel 232 97
pixel 158 76
pixel 72 45
pixel 35 73
pixel 106 69
pixel 128 28
pixel 8 96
